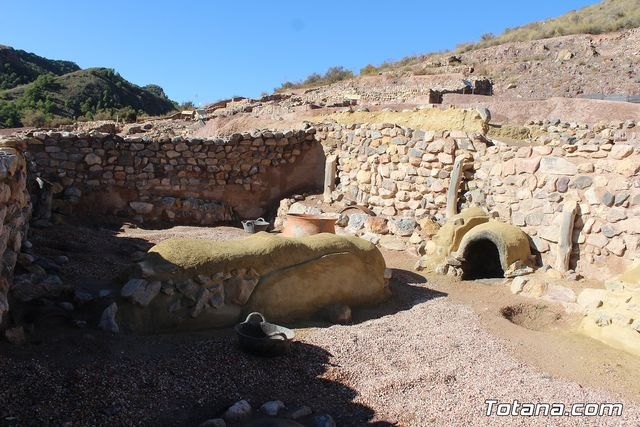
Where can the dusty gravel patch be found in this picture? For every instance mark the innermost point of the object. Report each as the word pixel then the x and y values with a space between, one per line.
pixel 435 365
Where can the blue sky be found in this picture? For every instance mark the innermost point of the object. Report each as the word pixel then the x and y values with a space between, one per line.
pixel 207 50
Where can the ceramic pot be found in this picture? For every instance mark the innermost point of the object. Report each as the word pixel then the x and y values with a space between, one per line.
pixel 300 225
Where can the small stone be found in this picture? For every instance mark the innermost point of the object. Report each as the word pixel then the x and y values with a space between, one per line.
pixel 428 227
pixel 376 224
pixel 560 294
pixel 356 222
pixel 272 407
pixel 92 159
pixel 517 285
pixel 343 220
pixel 557 166
pixel 238 412
pixel 392 243
pixel 602 318
pixel 518 268
pixel 237 290
pixel 607 199
pixel 403 227
pixel 132 286
pixel 141 207
pixel 454 261
pixel 617 246
pixel 616 214
pixel 140 291
pixel 300 412
pixel 16 335
pixel 582 182
pixel 108 319
pixel 573 276
pixel 621 198
pixel 620 151
pixel 325 420
pixel 610 230
pixel 25 259
pixel 337 314
pixel 61 259
pixel 214 422
pixel 67 306
pixel 562 184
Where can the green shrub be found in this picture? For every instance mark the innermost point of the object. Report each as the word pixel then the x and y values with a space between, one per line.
pixel 34 118
pixel 368 70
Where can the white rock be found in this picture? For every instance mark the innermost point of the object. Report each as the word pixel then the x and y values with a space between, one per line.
pixel 517 285
pixel 557 166
pixel 559 293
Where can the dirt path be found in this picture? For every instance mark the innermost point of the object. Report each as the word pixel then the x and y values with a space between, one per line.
pixel 430 356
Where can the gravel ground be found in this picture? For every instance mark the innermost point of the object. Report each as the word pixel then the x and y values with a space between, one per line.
pixel 435 365
pixel 418 360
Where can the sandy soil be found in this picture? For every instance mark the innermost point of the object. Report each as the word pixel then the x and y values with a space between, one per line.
pixel 429 356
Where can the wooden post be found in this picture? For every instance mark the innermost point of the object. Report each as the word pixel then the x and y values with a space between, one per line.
pixel 565 241
pixel 452 192
pixel 329 177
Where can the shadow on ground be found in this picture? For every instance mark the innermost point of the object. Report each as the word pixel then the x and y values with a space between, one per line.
pixel 91 378
pixel 74 376
pixel 407 289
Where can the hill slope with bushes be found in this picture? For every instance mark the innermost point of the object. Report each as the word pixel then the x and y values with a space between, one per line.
pixel 35 91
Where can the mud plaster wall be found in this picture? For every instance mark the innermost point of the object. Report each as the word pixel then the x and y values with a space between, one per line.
pixel 185 181
pixel 404 173
pixel 15 210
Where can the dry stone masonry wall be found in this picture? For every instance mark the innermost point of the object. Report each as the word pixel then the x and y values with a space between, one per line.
pixel 595 167
pixel 15 210
pixel 402 175
pixel 192 181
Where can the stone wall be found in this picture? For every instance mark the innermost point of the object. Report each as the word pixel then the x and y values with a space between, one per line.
pixel 186 181
pixel 387 90
pixel 15 210
pixel 402 174
pixel 597 167
pixel 397 171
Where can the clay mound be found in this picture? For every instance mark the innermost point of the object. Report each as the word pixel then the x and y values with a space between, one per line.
pixel 193 284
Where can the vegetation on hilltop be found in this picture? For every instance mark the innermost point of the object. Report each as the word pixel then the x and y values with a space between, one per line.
pixel 95 93
pixel 604 17
pixel 18 67
pixel 332 75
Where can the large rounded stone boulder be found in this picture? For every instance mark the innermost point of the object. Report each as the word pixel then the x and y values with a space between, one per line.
pixel 198 284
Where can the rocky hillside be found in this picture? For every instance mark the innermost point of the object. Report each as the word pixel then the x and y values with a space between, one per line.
pixel 569 66
pixel 18 67
pixel 605 17
pixel 36 91
pixel 590 52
